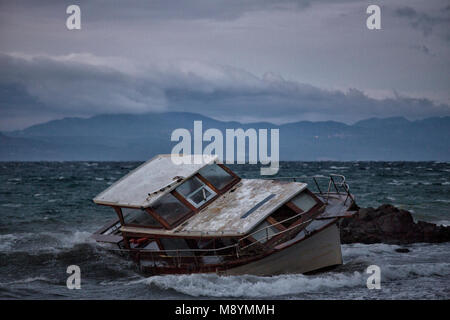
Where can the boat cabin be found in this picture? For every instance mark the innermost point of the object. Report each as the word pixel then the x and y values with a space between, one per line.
pixel 162 205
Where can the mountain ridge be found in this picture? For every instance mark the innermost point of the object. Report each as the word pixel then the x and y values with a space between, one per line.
pixel 119 137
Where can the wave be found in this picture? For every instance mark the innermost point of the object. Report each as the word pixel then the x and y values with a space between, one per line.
pixel 29 280
pixel 444 223
pixel 395 183
pixel 12 205
pixel 248 286
pixel 7 241
pixel 36 243
pixel 414 270
pixel 351 275
pixel 384 250
pixel 78 237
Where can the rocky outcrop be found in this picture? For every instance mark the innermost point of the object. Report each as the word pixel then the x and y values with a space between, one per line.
pixel 392 225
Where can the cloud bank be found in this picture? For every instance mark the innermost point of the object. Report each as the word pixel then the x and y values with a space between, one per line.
pixel 43 87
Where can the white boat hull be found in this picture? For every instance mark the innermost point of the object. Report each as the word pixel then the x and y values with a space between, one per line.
pixel 321 250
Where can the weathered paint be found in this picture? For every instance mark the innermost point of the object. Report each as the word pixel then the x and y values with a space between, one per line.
pixel 156 177
pixel 321 250
pixel 223 216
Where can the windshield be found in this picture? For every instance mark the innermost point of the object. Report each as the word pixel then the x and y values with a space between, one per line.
pixel 170 208
pixel 196 192
pixel 217 176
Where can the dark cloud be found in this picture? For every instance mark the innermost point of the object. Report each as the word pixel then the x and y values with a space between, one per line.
pixel 161 9
pixel 210 57
pixel 321 42
pixel 67 84
pixel 423 48
pixel 423 21
pixel 53 87
pixel 132 11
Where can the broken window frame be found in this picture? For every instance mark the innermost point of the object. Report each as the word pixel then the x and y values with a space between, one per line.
pixel 157 226
pixel 210 183
pixel 188 204
pixel 203 187
pixel 305 215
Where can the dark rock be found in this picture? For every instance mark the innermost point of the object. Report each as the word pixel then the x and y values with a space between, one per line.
pixel 389 224
pixel 364 213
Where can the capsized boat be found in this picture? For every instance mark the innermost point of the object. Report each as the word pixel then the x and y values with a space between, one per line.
pixel 201 217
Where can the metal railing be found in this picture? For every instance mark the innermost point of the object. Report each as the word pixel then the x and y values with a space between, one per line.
pixel 237 250
pixel 266 229
pixel 334 180
pixel 340 186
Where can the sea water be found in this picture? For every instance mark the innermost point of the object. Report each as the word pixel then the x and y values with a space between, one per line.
pixel 47 216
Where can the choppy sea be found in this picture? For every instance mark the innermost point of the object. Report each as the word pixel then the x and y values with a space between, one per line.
pixel 47 216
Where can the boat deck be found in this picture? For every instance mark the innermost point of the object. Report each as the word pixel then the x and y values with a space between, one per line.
pixel 236 212
pixel 337 206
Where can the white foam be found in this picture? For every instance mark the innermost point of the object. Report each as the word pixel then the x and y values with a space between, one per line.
pixel 12 205
pixel 395 267
pixel 413 270
pixel 442 200
pixel 53 243
pixel 362 250
pixel 444 223
pixel 7 241
pixel 25 281
pixel 78 237
pixel 247 286
pixel 395 183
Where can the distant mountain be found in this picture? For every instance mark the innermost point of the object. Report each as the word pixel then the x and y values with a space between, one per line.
pixel 383 123
pixel 139 137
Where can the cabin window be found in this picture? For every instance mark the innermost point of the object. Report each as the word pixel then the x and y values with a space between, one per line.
pixel 176 244
pixel 265 234
pixel 304 201
pixel 217 176
pixel 196 192
pixel 284 213
pixel 152 245
pixel 147 244
pixel 170 209
pixel 139 217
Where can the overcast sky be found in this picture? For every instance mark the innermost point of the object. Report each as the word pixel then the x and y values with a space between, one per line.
pixel 247 60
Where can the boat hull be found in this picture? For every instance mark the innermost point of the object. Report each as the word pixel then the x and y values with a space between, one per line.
pixel 320 250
